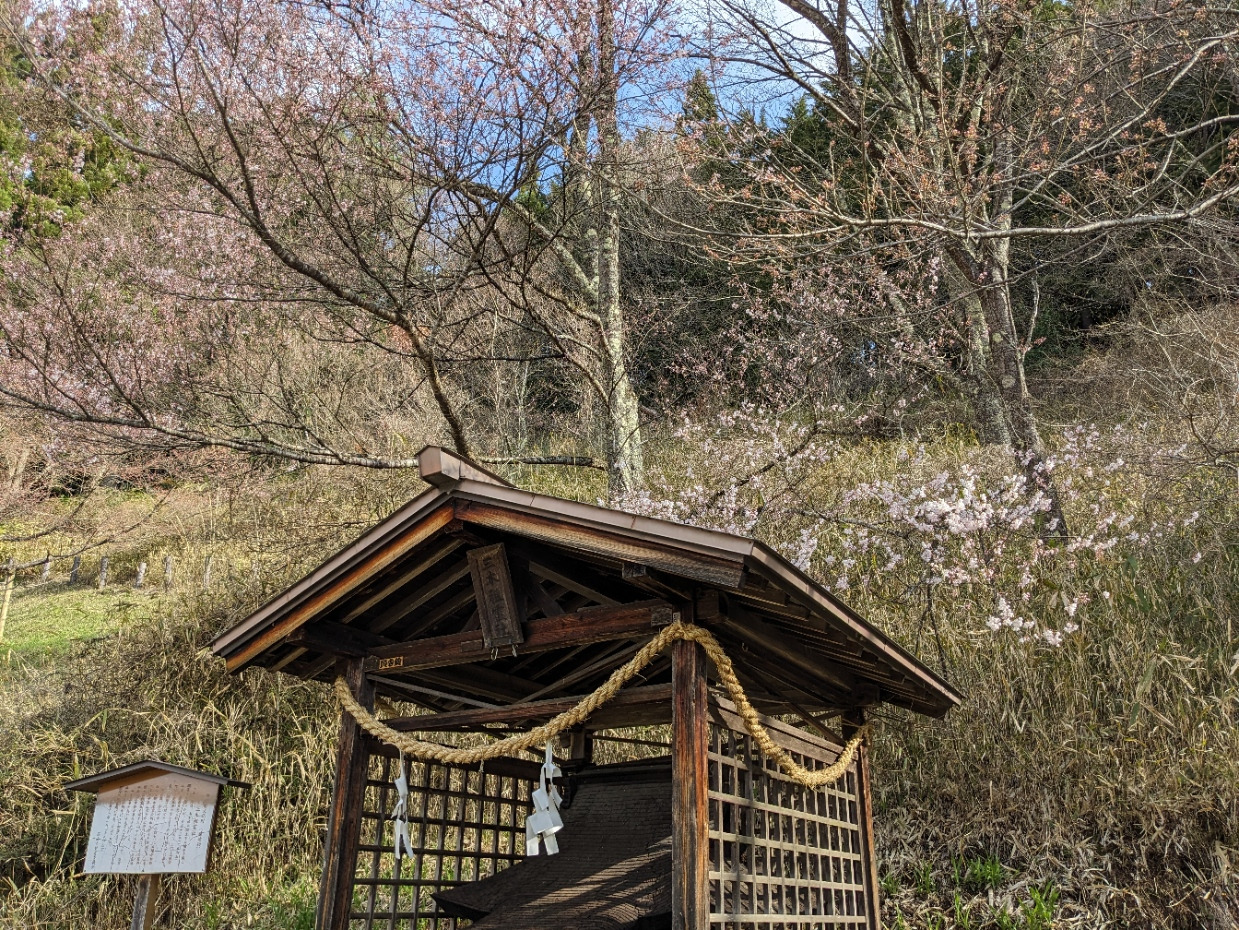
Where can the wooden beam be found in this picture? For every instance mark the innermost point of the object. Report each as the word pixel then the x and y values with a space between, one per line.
pixel 727 573
pixel 335 894
pixel 612 657
pixel 418 598
pixel 522 713
pixel 864 793
pixel 749 627
pixel 499 614
pixel 542 599
pixel 147 902
pixel 417 694
pixel 761 670
pixel 567 580
pixel 475 679
pixel 690 787
pixel 446 609
pixel 593 625
pixel 336 639
pixel 790 737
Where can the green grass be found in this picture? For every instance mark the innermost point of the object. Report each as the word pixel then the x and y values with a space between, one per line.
pixel 44 622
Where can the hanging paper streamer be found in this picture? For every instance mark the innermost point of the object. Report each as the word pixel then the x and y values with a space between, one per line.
pixel 544 821
pixel 400 813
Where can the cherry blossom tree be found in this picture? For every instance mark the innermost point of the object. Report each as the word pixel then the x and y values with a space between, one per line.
pixel 362 186
pixel 989 136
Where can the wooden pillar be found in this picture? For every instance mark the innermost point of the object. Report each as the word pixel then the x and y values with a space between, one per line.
pixel 852 722
pixel 335 890
pixel 690 824
pixel 145 903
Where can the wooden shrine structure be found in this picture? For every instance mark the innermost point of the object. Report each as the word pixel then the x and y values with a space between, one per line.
pixel 491 610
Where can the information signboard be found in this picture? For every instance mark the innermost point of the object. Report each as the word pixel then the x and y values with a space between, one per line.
pixel 151 818
pixel 154 826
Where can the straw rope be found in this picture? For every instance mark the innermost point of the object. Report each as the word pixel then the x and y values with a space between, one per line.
pixel 539 735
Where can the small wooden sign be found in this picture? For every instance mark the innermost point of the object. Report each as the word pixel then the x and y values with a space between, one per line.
pixel 153 827
pixel 151 819
pixel 497 608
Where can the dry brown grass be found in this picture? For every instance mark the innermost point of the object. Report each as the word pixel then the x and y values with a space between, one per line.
pixel 1093 785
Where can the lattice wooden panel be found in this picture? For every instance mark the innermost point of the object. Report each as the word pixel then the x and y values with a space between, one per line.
pixel 464 825
pixel 782 857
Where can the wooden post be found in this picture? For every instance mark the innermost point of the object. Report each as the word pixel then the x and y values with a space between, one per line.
pixel 144 905
pixel 852 722
pixel 690 824
pixel 103 572
pixel 77 565
pixel 335 893
pixel 8 596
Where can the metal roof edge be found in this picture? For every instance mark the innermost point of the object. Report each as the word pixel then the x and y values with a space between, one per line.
pixel 714 543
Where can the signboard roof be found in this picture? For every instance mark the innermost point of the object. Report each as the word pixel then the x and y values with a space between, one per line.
pixel 139 771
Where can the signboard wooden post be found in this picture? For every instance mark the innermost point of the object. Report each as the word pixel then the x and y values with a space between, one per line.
pixel 151 819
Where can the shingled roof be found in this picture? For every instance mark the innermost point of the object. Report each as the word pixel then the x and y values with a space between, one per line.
pixel 412 578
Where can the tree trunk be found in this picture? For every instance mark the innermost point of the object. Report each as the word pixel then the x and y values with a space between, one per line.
pixel 1007 367
pixel 1004 386
pixel 625 463
pixel 991 425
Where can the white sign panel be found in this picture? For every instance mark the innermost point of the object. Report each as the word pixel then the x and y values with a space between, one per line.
pixel 155 826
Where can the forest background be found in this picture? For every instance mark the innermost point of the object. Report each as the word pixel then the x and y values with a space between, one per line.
pixel 937 297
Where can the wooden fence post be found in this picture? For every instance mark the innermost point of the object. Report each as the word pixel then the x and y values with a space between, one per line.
pixel 851 724
pixel 103 572
pixel 8 595
pixel 144 904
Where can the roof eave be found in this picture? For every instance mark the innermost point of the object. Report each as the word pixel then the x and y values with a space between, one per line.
pixel 453 481
pixel 816 594
pixel 229 642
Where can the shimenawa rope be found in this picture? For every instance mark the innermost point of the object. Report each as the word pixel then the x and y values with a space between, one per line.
pixel 539 735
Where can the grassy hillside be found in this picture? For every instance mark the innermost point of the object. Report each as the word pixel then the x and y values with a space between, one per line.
pixel 1088 780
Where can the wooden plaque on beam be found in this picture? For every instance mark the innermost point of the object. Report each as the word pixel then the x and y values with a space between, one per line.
pixel 498 610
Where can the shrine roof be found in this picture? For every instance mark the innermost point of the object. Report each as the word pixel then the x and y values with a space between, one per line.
pixel 413 581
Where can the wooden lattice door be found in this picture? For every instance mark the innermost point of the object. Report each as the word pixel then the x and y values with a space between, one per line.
pixel 784 857
pixel 464 823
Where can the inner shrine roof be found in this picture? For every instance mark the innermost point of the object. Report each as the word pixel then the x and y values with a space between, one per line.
pixel 579 588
